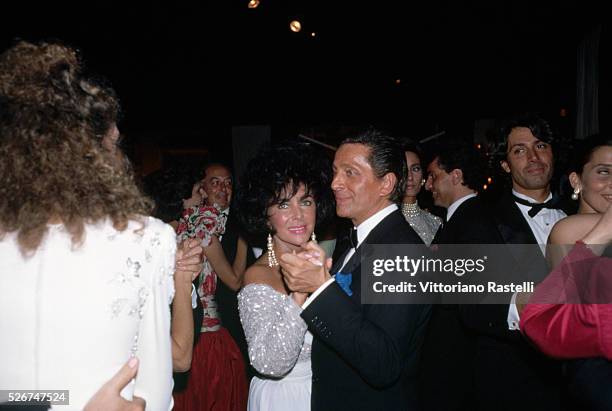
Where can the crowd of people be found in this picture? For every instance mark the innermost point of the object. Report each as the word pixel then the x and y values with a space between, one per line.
pixel 185 312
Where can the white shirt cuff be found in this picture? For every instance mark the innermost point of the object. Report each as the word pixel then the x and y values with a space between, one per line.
pixel 318 291
pixel 513 315
pixel 194 297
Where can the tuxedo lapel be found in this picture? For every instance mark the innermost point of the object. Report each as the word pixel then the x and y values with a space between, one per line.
pixel 512 224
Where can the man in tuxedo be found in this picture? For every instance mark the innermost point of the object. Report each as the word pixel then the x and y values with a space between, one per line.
pixel 511 368
pixel 445 372
pixel 363 356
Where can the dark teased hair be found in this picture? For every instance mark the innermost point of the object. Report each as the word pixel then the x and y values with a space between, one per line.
pixel 468 159
pixel 169 186
pixel 413 147
pixel 274 168
pixel 584 151
pixel 536 124
pixel 386 156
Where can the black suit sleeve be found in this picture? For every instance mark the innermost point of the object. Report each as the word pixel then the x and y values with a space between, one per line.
pixel 375 341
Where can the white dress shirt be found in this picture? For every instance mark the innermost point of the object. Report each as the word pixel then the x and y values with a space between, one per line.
pixel 363 230
pixel 541 225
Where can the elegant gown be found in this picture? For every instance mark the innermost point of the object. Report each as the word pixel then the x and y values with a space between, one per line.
pixel 217 379
pixel 423 222
pixel 279 348
pixel 73 315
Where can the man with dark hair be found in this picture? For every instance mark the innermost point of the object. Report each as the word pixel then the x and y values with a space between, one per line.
pixel 454 177
pixel 363 356
pixel 525 215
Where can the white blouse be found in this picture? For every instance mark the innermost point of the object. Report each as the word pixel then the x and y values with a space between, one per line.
pixel 71 316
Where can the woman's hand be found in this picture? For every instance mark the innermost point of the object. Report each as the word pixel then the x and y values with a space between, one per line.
pixel 188 262
pixel 197 196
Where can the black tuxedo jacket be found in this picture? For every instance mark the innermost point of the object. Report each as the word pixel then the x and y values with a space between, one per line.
pixel 449 351
pixel 364 357
pixel 507 362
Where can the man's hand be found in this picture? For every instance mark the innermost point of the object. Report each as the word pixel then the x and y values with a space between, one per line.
pixel 188 262
pixel 306 271
pixel 108 398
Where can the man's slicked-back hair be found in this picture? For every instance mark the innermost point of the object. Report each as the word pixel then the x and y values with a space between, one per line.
pixel 386 156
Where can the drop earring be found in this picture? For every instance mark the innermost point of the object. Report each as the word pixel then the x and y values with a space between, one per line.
pixel 272 261
pixel 313 237
pixel 575 194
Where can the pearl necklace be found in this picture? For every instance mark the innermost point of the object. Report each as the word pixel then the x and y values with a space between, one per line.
pixel 411 209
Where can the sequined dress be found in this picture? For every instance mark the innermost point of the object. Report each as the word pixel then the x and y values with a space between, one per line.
pixel 72 316
pixel 423 222
pixel 279 349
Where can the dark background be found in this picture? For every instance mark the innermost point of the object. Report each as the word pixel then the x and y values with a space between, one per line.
pixel 188 71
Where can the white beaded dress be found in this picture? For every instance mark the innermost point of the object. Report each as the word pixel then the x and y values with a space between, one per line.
pixel 279 349
pixel 72 315
pixel 422 222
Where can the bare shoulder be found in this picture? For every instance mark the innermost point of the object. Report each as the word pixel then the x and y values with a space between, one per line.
pixel 572 228
pixel 258 273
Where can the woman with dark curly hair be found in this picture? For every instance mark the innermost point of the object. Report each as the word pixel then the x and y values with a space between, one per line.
pixel 86 275
pixel 284 193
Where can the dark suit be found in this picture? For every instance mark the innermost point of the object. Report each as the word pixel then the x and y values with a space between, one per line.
pixel 449 350
pixel 364 357
pixel 508 366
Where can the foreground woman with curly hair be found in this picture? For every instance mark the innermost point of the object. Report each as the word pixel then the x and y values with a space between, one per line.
pixel 85 275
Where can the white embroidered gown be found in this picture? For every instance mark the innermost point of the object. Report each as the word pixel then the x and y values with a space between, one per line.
pixel 71 317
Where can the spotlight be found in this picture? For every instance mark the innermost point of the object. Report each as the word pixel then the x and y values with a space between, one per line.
pixel 295 26
pixel 253 4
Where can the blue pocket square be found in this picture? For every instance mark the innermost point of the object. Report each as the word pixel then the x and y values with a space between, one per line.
pixel 344 281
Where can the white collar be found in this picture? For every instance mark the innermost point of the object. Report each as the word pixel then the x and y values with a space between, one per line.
pixel 531 200
pixel 368 225
pixel 453 207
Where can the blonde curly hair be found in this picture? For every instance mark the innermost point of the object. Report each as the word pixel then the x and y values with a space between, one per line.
pixel 54 167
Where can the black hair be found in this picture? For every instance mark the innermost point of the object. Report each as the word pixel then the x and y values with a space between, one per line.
pixel 275 168
pixel 584 150
pixel 468 159
pixel 386 156
pixel 539 127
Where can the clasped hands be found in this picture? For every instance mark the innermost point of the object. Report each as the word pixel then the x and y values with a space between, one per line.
pixel 305 271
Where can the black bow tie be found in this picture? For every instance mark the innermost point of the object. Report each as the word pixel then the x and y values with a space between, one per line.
pixel 353 238
pixel 536 207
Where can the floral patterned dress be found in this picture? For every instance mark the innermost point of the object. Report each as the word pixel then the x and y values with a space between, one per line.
pixel 217 379
pixel 203 222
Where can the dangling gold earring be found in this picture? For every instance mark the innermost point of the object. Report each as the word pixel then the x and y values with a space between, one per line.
pixel 575 194
pixel 313 237
pixel 272 261
pixel 422 182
